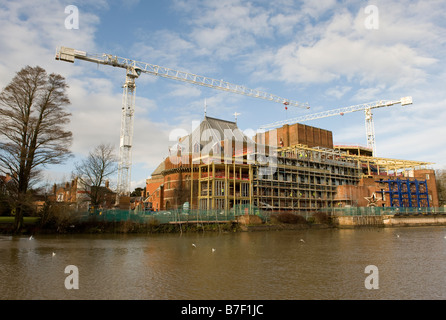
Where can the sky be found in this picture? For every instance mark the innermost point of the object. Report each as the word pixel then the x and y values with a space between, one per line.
pixel 329 54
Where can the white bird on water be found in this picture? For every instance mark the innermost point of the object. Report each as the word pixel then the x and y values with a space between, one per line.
pixel 54 254
pixel 31 238
pixel 193 245
pixel 302 240
pixel 213 250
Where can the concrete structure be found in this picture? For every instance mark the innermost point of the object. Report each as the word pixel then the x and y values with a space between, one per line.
pixel 389 221
pixel 295 168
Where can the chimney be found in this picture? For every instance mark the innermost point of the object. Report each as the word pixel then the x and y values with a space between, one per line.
pixel 107 183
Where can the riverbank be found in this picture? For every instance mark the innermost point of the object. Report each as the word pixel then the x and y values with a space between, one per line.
pixel 154 227
pixel 243 224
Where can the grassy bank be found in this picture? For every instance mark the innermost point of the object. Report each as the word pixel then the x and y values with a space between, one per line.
pixel 26 220
pixel 7 223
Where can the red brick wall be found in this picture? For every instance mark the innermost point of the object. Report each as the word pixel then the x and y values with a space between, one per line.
pixel 161 190
pixel 347 194
pixel 298 133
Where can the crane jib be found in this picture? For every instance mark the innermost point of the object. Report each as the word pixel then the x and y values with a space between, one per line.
pixel 134 69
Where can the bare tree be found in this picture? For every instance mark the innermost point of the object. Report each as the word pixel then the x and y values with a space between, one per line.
pixel 95 170
pixel 32 130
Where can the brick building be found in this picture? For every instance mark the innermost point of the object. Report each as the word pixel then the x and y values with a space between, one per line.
pixel 76 193
pixel 293 168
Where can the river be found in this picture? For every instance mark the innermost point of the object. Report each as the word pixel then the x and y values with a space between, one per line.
pixel 409 263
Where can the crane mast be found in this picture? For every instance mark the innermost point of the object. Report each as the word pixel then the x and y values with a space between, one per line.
pixel 133 70
pixel 366 107
pixel 126 136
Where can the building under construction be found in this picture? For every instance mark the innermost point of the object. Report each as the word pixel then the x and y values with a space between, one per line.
pixel 295 168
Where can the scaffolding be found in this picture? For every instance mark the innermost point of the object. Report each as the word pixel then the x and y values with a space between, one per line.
pixel 227 171
pixel 306 179
pixel 298 179
pixel 225 186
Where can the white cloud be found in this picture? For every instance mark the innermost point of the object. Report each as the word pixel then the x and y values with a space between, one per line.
pixel 316 8
pixel 338 91
pixel 341 48
pixel 183 90
pixel 320 46
pixel 30 32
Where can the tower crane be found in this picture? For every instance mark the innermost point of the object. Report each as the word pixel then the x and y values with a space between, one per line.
pixel 133 71
pixel 366 107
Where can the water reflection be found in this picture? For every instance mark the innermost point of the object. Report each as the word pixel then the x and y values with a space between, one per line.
pixel 304 264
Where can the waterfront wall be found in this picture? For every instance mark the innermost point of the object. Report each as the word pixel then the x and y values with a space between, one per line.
pixel 415 221
pixel 389 221
pixel 358 221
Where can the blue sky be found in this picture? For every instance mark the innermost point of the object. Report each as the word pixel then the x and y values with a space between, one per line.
pixel 320 52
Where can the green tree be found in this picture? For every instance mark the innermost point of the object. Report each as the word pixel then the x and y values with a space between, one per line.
pixel 33 118
pixel 137 192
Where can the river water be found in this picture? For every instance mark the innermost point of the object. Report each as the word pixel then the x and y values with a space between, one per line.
pixel 273 265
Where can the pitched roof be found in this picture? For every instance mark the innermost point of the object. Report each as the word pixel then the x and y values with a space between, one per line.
pixel 159 169
pixel 215 130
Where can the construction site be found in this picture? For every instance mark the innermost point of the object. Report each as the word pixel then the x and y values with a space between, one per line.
pixel 286 167
pixel 294 168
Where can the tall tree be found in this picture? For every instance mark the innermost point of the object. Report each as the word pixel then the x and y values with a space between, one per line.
pixel 95 170
pixel 33 119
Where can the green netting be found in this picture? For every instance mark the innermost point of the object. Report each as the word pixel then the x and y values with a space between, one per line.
pixel 168 216
pixel 211 216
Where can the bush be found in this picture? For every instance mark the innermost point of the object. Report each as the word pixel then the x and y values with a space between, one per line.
pixel 58 216
pixel 321 217
pixel 289 218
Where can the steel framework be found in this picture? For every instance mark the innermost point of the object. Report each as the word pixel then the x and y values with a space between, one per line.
pixel 366 107
pixel 407 193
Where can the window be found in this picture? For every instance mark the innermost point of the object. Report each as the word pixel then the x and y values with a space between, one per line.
pixel 245 189
pixel 197 148
pixel 219 188
pixel 219 204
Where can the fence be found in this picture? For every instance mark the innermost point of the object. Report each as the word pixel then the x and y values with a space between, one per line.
pixel 215 216
pixel 171 216
pixel 379 211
